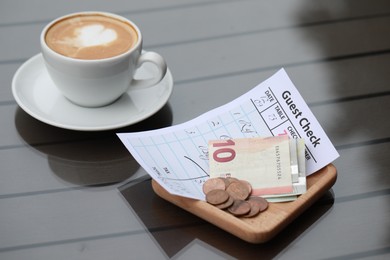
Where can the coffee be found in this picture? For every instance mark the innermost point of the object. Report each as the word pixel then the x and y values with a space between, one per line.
pixel 92 57
pixel 91 37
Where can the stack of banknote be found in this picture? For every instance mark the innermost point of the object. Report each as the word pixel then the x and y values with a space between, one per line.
pixel 274 166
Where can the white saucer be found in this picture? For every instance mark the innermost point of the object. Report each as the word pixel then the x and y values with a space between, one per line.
pixel 36 94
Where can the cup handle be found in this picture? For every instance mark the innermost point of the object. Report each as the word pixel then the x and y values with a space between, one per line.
pixel 157 60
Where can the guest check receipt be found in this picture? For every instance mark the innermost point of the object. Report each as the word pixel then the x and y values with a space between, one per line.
pixel 177 156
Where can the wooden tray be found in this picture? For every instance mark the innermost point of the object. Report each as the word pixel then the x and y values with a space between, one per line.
pixel 267 224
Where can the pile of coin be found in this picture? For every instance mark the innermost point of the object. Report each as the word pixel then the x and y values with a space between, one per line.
pixel 233 195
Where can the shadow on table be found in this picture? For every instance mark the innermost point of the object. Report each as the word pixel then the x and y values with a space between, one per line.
pixel 356 65
pixel 86 158
pixel 173 228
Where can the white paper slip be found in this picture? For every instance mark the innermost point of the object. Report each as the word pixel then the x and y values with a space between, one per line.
pixel 177 156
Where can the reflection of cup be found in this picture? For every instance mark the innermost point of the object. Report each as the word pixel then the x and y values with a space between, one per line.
pixel 92 57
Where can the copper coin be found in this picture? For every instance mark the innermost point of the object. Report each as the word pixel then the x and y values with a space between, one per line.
pixel 226 204
pixel 230 180
pixel 263 203
pixel 238 190
pixel 216 197
pixel 255 208
pixel 239 207
pixel 213 184
pixel 247 183
pixel 225 180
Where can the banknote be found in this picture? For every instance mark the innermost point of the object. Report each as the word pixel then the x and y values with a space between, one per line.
pixel 298 170
pixel 275 166
pixel 264 162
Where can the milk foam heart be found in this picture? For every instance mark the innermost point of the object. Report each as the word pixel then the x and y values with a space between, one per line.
pixel 92 35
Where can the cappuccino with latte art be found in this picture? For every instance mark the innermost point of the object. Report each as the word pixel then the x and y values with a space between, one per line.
pixel 91 37
pixel 92 57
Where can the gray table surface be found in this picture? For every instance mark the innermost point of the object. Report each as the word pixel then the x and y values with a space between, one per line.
pixel 59 194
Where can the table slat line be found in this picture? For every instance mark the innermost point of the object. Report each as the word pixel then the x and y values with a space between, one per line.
pixel 259 69
pixel 7 103
pixel 266 30
pixel 363 143
pixel 16 61
pixel 286 65
pixel 349 98
pixel 72 240
pixel 115 185
pixel 361 196
pixel 310 104
pixel 364 254
pixel 132 12
pixel 50 191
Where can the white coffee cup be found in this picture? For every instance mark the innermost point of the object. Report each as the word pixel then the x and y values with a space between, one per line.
pixel 94 81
